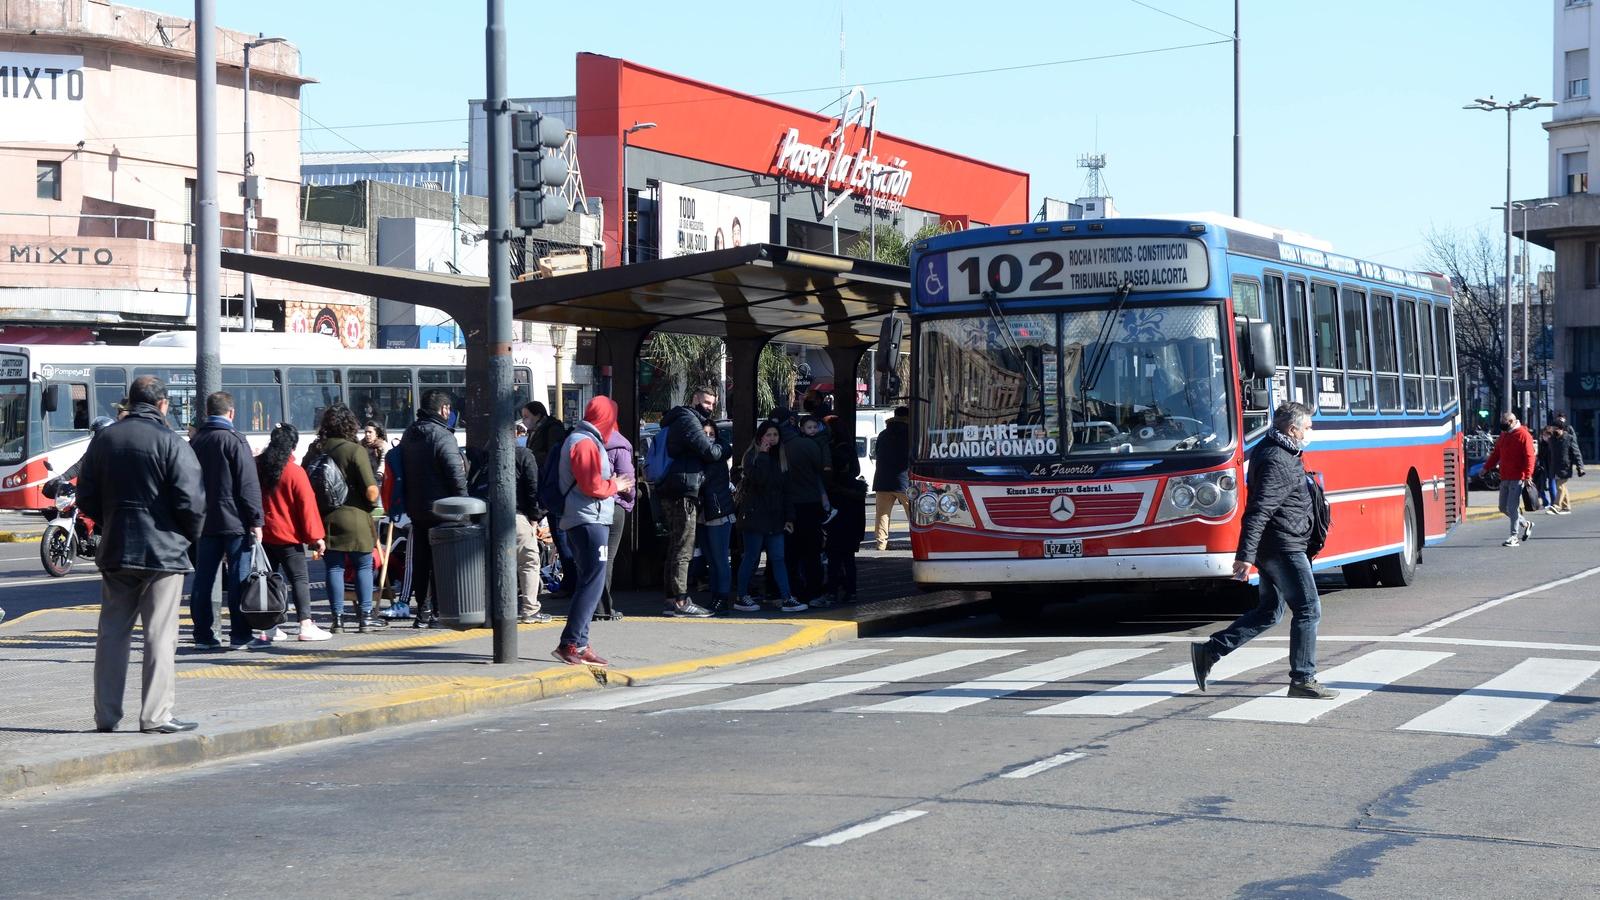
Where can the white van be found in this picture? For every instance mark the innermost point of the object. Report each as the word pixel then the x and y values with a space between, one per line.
pixel 868 423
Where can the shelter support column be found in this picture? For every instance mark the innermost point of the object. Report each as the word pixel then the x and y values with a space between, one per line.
pixel 846 360
pixel 744 368
pixel 619 349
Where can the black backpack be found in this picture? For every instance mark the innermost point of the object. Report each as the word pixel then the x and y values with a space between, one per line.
pixel 327 483
pixel 1321 515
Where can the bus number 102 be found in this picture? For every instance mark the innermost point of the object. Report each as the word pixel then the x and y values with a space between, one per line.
pixel 1005 272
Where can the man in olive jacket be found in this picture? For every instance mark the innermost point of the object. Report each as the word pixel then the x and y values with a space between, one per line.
pixel 1272 535
pixel 141 482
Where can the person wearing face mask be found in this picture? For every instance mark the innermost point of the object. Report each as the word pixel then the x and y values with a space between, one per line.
pixel 689 451
pixel 1273 535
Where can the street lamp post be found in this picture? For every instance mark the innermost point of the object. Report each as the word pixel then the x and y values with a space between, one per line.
pixel 627 227
pixel 558 340
pixel 248 191
pixel 1528 101
pixel 1523 208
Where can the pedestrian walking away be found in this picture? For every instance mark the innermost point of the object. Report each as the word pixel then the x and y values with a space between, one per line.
pixel 766 513
pixel 891 480
pixel 351 533
pixel 433 470
pixel 1513 457
pixel 689 452
pixel 292 522
pixel 620 451
pixel 589 487
pixel 143 482
pixel 1274 535
pixel 233 524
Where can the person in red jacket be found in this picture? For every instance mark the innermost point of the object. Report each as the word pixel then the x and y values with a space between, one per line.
pixel 1513 457
pixel 291 523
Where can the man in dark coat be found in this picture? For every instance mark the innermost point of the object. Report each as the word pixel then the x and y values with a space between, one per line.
pixel 528 515
pixel 233 523
pixel 891 480
pixel 545 432
pixel 1272 535
pixel 142 483
pixel 689 451
pixel 432 462
pixel 1565 459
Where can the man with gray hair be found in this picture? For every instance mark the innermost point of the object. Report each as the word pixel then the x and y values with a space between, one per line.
pixel 1513 457
pixel 1278 520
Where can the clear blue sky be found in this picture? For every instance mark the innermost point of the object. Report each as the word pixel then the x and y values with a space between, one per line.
pixel 1353 129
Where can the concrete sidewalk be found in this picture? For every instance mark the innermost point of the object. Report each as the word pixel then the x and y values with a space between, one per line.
pixel 292 693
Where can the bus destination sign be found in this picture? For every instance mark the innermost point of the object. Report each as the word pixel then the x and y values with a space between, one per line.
pixel 13 368
pixel 1062 268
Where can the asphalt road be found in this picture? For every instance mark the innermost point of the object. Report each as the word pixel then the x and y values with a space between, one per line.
pixel 1070 757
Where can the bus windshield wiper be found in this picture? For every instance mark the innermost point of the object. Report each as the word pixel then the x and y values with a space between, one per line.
pixel 1003 324
pixel 1102 347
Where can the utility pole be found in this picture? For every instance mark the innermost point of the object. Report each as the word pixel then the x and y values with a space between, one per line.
pixel 1238 202
pixel 249 190
pixel 207 231
pixel 502 470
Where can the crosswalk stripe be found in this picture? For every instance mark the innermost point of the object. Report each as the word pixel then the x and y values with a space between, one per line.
pixel 1014 682
pixel 1353 680
pixel 1176 681
pixel 783 668
pixel 861 681
pixel 1487 710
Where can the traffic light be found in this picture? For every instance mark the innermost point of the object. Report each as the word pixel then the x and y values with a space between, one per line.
pixel 538 169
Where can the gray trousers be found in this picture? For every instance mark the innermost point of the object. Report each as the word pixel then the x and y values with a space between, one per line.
pixel 1511 503
pixel 151 597
pixel 527 567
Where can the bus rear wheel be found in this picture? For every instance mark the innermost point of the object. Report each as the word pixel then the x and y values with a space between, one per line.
pixel 1399 569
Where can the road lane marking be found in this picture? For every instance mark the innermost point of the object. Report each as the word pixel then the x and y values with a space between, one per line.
pixel 1492 708
pixel 1321 639
pixel 1490 604
pixel 1043 765
pixel 866 828
pixel 1353 680
pixel 65 579
pixel 784 668
pixel 860 681
pixel 1174 682
pixel 1014 682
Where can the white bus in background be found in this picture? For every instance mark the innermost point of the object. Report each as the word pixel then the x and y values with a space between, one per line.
pixel 49 393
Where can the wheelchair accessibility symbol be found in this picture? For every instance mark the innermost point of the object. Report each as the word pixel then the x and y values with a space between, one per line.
pixel 935 280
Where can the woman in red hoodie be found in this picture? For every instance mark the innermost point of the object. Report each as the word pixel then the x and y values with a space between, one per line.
pixel 291 522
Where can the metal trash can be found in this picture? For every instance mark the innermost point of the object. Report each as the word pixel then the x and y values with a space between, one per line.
pixel 460 565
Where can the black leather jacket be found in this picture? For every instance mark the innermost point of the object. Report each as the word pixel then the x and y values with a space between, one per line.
pixel 1277 511
pixel 433 467
pixel 688 452
pixel 141 483
pixel 228 469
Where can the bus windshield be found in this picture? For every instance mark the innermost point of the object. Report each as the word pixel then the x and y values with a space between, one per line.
pixel 1146 379
pixel 13 423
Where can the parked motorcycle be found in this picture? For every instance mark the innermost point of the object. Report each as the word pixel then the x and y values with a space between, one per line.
pixel 69 535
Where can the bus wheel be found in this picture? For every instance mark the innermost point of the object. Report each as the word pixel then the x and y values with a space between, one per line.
pixel 1400 569
pixel 1016 607
pixel 1361 574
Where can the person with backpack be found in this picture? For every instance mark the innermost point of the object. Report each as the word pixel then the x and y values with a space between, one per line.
pixel 347 493
pixel 588 489
pixel 688 451
pixel 1281 519
pixel 431 460
pixel 292 522
pixel 232 526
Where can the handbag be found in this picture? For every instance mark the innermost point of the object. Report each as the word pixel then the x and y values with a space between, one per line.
pixel 264 596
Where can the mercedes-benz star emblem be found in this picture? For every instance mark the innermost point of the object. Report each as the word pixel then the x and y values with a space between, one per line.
pixel 1061 508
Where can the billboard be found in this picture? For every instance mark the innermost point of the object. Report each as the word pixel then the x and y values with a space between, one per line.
pixel 347 323
pixel 694 221
pixel 42 97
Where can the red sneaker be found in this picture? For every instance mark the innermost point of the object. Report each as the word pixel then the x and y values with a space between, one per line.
pixel 569 655
pixel 592 658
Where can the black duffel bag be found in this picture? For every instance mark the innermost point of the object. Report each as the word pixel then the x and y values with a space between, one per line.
pixel 264 596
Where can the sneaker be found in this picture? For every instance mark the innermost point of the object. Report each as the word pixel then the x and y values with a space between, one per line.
pixel 1512 541
pixel 1200 658
pixel 791 605
pixel 207 646
pixel 1527 529
pixel 310 632
pixel 1563 512
pixel 260 643
pixel 278 634
pixel 569 655
pixel 537 618
pixel 684 608
pixel 746 605
pixel 821 602
pixel 1311 689
pixel 592 658
pixel 243 645
pixel 1551 511
pixel 398 611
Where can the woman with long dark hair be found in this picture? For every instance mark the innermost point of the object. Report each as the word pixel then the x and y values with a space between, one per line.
pixel 351 535
pixel 290 522
pixel 765 511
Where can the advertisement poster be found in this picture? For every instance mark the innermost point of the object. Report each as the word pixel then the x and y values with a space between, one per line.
pixel 694 221
pixel 347 323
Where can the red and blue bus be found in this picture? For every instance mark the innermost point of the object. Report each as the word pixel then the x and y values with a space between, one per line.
pixel 1086 394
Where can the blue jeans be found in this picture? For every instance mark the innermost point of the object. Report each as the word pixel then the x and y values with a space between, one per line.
pixel 588 543
pixel 230 553
pixel 337 562
pixel 754 543
pixel 714 542
pixel 1285 581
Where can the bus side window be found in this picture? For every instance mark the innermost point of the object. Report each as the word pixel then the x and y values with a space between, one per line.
pixel 1330 356
pixel 257 398
pixel 1447 355
pixel 1388 359
pixel 1300 386
pixel 310 392
pixel 1357 352
pixel 383 396
pixel 1247 303
pixel 71 413
pixel 1430 370
pixel 1410 361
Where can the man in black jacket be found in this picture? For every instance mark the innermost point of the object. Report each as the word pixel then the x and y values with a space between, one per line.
pixel 432 463
pixel 233 523
pixel 891 480
pixel 1565 458
pixel 528 515
pixel 688 453
pixel 142 483
pixel 1272 535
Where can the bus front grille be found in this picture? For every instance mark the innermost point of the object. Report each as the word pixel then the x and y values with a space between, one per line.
pixel 1452 489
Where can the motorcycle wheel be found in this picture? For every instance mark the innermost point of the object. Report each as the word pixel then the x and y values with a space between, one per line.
pixel 56 550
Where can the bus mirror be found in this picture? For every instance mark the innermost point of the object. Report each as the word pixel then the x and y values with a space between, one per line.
pixel 1260 351
pixel 889 336
pixel 51 398
pixel 1258 398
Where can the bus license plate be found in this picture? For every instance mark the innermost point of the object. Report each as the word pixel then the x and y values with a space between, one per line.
pixel 1056 549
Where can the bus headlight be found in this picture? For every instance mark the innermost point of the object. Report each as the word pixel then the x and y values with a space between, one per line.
pixel 1210 495
pixel 927 508
pixel 948 505
pixel 939 503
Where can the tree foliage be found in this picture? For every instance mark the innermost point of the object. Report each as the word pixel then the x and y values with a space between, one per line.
pixel 891 245
pixel 1474 263
pixel 689 360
